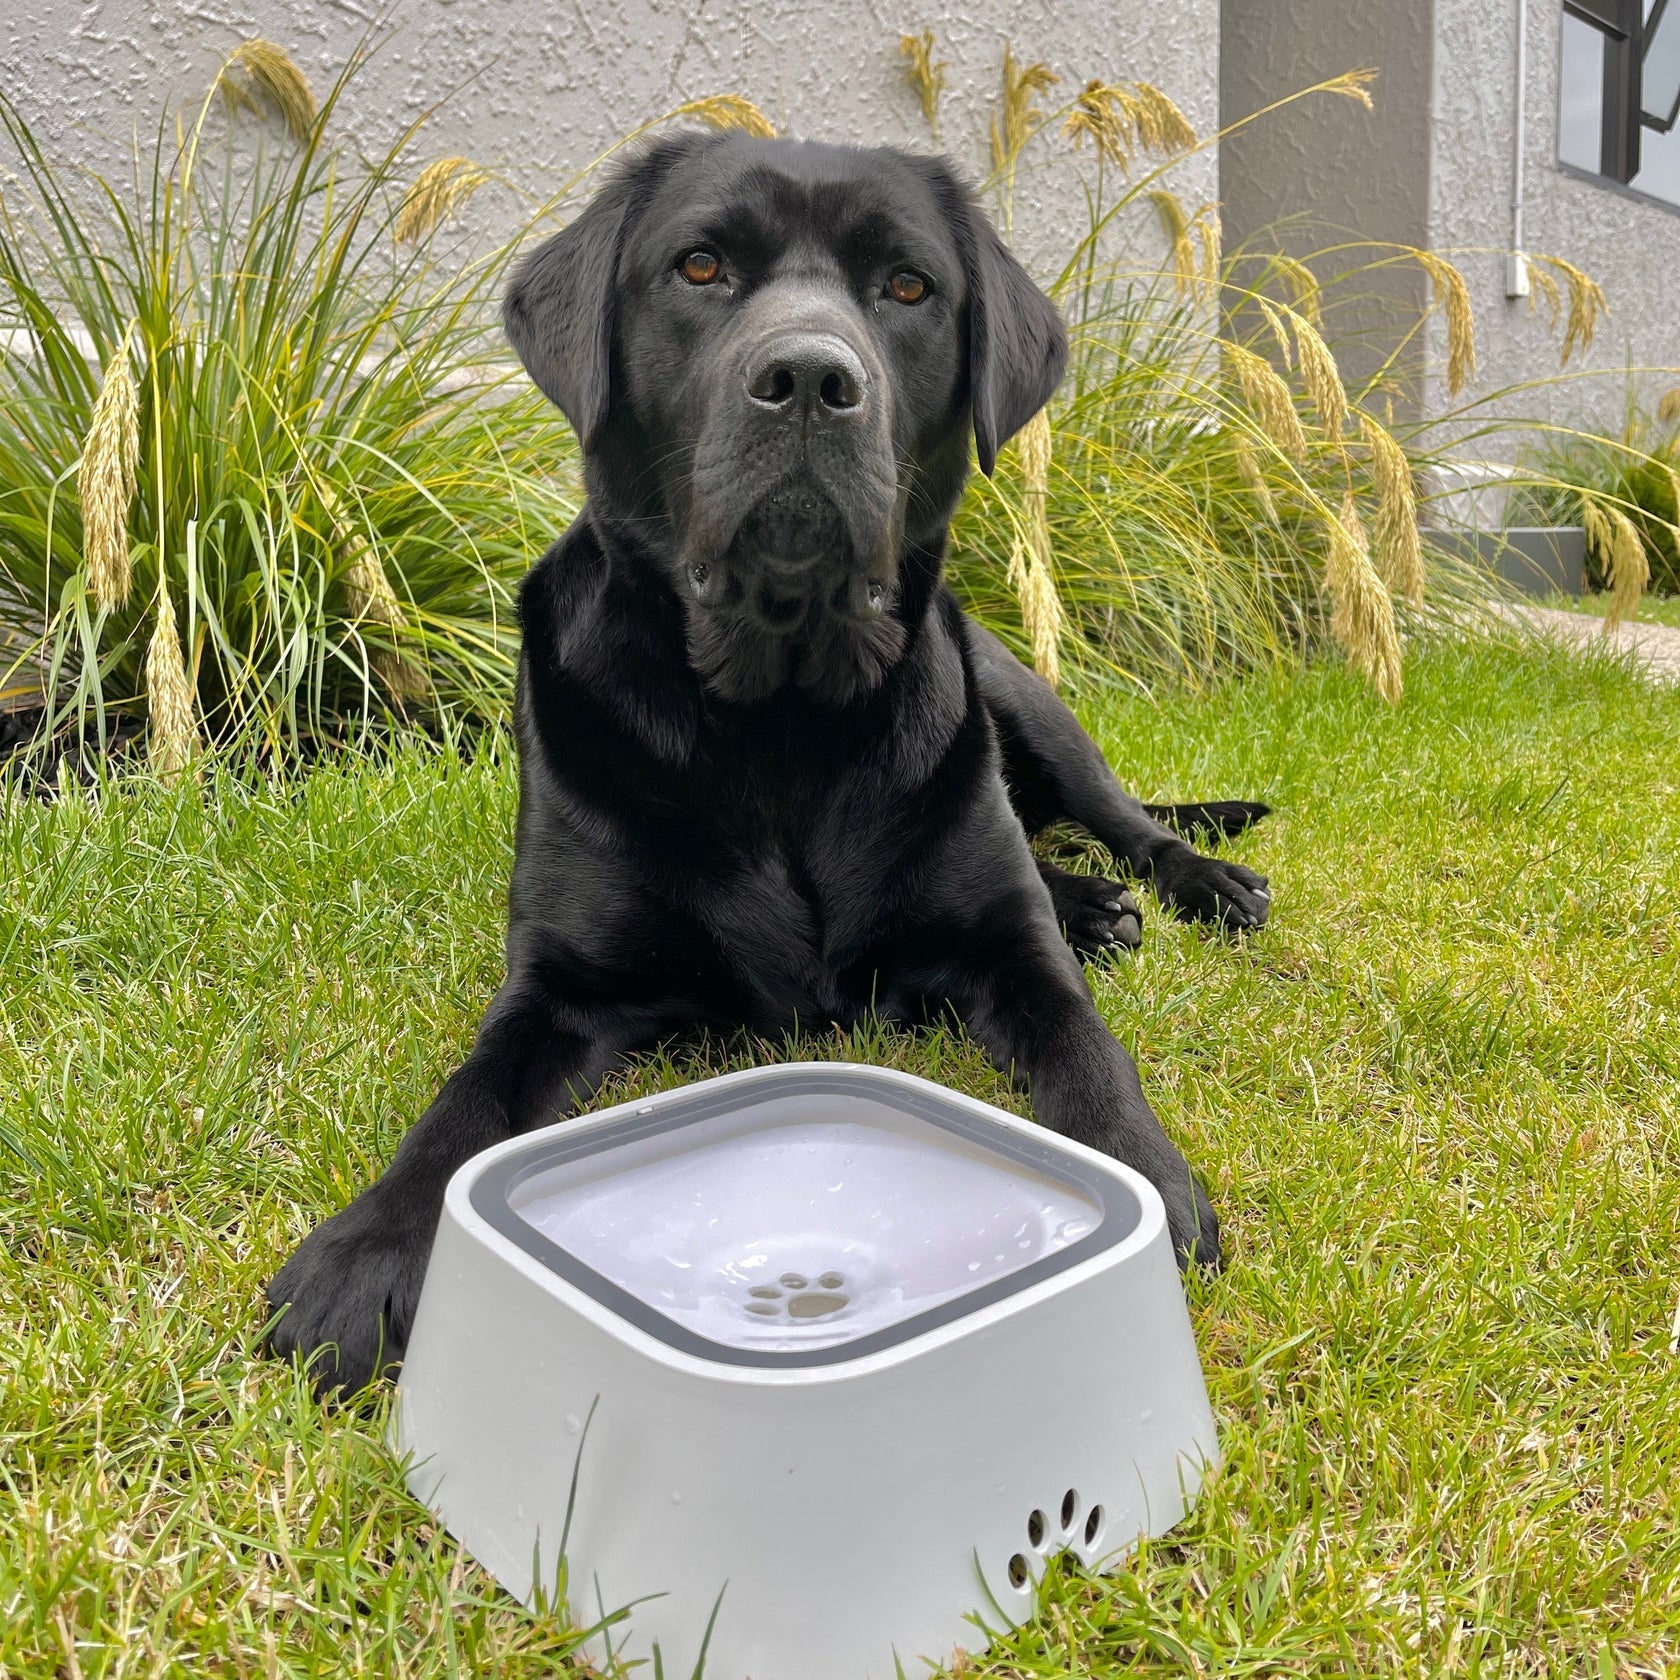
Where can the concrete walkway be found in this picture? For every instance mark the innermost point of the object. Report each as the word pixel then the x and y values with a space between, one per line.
pixel 1654 646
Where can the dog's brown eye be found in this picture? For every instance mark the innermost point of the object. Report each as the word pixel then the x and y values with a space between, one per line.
pixel 907 286
pixel 701 268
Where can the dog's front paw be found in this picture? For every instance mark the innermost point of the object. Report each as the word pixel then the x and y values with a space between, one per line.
pixel 1212 890
pixel 1094 913
pixel 1193 1224
pixel 350 1290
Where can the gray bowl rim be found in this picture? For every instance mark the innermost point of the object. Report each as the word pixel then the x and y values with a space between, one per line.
pixel 491 1191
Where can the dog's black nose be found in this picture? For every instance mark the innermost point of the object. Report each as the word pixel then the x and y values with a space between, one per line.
pixel 807 373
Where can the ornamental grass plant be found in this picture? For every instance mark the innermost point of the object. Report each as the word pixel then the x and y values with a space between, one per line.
pixel 261 474
pixel 269 478
pixel 1625 490
pixel 1206 493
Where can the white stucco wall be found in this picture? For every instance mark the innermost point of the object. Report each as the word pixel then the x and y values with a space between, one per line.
pixel 539 87
pixel 1323 174
pixel 1630 247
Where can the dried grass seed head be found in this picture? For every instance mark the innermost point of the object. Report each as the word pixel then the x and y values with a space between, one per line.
pixel 1452 298
pixel 1615 541
pixel 1161 126
pixel 1181 252
pixel 368 592
pixel 1210 232
pixel 1321 377
pixel 1035 444
pixel 1355 85
pixel 1248 468
pixel 1263 388
pixel 1105 116
pixel 172 732
pixel 1280 332
pixel 1119 120
pixel 1042 613
pixel 1362 614
pixel 925 73
pixel 263 67
pixel 730 111
pixel 1045 619
pixel 1544 284
pixel 105 481
pixel 1030 571
pixel 440 189
pixel 1399 547
pixel 1018 110
pixel 1303 285
pixel 371 600
pixel 1586 304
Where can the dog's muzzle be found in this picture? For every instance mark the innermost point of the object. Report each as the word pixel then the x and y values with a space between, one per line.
pixel 795 510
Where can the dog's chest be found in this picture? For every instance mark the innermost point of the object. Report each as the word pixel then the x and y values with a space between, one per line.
pixel 805 891
pixel 793 942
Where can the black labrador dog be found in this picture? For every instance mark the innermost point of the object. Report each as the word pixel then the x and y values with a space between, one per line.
pixel 770 775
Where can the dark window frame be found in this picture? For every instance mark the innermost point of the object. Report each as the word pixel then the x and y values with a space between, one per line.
pixel 1627 34
pixel 1661 125
pixel 1621 23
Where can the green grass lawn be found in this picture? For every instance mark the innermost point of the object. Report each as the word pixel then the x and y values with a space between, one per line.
pixel 1437 1100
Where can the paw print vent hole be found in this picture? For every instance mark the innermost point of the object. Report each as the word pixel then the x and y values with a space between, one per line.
pixel 796 1297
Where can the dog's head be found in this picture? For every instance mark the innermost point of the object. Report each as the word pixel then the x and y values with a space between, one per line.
pixel 774 353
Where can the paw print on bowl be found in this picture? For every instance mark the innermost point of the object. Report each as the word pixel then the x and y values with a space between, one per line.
pixel 795 1297
pixel 1024 1568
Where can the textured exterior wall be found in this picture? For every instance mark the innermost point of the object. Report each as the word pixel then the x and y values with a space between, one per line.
pixel 1339 171
pixel 545 84
pixel 1632 248
pixel 1433 165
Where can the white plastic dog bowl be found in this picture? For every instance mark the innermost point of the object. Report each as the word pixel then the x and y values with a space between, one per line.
pixel 855 1354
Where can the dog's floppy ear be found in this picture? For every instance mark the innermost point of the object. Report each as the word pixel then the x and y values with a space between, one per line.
pixel 1017 346
pixel 559 311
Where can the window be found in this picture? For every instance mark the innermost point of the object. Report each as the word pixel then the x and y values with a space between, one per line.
pixel 1659 103
pixel 1619 93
